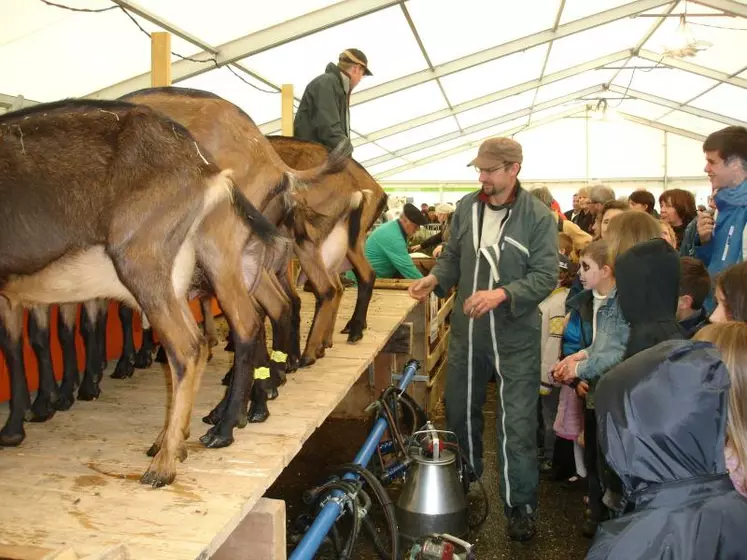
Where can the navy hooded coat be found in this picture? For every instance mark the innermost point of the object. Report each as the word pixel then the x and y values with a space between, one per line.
pixel 662 422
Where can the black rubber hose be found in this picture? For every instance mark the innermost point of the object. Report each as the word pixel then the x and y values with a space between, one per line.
pixel 417 417
pixel 382 497
pixel 375 540
pixel 484 492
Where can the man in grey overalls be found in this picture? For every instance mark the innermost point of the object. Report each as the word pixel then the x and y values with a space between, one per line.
pixel 503 254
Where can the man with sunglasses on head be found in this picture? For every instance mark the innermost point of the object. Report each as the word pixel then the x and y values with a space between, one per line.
pixel 503 255
pixel 324 113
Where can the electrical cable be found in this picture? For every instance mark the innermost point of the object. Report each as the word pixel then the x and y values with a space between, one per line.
pixel 213 59
pixel 471 469
pixel 92 11
pixel 717 26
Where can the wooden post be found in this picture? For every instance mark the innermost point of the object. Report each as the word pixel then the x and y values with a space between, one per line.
pixel 160 59
pixel 286 94
pixel 259 536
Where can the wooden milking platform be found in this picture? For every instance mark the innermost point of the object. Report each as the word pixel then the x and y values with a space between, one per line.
pixel 71 490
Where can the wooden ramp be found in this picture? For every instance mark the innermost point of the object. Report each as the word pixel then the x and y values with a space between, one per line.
pixel 71 489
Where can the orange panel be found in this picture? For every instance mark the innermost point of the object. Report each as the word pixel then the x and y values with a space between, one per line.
pixel 113 345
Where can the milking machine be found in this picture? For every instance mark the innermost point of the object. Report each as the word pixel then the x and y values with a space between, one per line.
pixel 431 517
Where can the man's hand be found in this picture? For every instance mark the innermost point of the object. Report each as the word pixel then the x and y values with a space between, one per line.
pixel 479 303
pixel 415 248
pixel 437 251
pixel 705 226
pixel 420 289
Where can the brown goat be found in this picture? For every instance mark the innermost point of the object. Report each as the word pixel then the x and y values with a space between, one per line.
pixel 348 203
pixel 111 200
pixel 237 144
pixel 322 251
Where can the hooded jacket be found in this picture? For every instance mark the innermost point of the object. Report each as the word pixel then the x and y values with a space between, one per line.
pixel 648 284
pixel 662 426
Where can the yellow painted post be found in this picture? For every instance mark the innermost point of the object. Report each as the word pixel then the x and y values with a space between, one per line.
pixel 160 59
pixel 286 94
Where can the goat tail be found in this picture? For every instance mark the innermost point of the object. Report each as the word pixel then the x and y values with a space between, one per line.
pixel 253 218
pixel 335 162
pixel 222 187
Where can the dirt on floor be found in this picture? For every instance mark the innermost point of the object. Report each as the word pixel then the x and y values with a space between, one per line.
pixel 337 441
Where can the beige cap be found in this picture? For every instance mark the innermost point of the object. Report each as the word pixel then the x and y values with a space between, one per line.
pixel 497 151
pixel 444 208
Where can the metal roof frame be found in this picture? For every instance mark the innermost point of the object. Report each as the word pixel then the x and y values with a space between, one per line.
pixel 475 143
pixel 248 45
pixel 347 10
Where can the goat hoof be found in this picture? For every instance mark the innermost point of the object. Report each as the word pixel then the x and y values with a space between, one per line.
pixel 89 391
pixel 213 440
pixel 12 433
pixel 306 361
pixel 292 364
pixel 258 414
pixel 125 368
pixel 66 399
pixel 158 479
pixel 320 352
pixel 212 341
pixel 354 336
pixel 272 394
pixel 346 330
pixel 229 345
pixel 161 356
pixel 43 408
pixel 210 355
pixel 143 359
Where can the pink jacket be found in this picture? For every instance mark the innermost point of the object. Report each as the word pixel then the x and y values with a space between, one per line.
pixel 569 421
pixel 736 471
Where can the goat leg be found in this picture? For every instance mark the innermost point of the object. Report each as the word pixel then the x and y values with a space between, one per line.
pixel 66 318
pixel 221 434
pixel 46 397
pixel 93 321
pixel 11 340
pixel 126 364
pixel 144 356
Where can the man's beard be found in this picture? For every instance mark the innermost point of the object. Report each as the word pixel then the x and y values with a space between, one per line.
pixel 491 189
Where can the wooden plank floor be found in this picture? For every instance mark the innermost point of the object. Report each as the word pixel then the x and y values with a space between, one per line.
pixel 74 481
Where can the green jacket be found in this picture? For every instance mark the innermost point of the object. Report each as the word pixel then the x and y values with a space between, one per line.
pixel 386 251
pixel 524 262
pixel 323 115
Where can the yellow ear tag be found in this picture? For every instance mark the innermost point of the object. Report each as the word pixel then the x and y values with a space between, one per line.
pixel 261 373
pixel 278 356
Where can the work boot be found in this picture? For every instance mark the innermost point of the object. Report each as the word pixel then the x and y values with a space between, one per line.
pixel 521 523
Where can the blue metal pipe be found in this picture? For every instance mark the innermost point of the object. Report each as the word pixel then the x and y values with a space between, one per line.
pixel 314 537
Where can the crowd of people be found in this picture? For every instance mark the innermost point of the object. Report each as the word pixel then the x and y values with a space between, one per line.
pixel 643 341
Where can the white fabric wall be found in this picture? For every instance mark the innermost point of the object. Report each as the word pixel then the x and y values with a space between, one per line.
pixel 558 150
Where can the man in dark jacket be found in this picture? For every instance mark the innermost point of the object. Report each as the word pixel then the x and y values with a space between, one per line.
pixel 662 424
pixel 324 113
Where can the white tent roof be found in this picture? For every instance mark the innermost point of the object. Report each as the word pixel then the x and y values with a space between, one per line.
pixel 446 74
